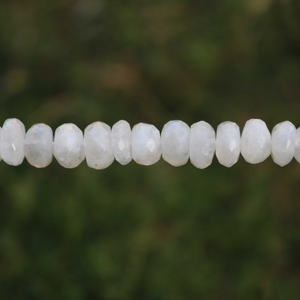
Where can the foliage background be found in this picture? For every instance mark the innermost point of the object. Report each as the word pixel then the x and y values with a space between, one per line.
pixel 154 232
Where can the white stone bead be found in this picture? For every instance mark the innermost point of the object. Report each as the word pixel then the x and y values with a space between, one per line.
pixel 12 142
pixel 297 145
pixel 202 144
pixel 39 145
pixel 256 141
pixel 283 143
pixel 228 143
pixel 68 146
pixel 98 147
pixel 121 142
pixel 146 145
pixel 175 139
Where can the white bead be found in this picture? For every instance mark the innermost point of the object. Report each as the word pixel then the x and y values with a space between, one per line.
pixel 121 142
pixel 68 146
pixel 228 143
pixel 175 139
pixel 202 144
pixel 39 145
pixel 256 141
pixel 98 147
pixel 146 146
pixel 283 143
pixel 12 142
pixel 297 145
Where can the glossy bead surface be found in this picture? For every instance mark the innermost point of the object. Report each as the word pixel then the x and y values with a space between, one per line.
pixel 228 141
pixel 68 146
pixel 146 145
pixel 12 142
pixel 39 145
pixel 121 142
pixel 98 147
pixel 175 140
pixel 202 144
pixel 256 141
pixel 283 143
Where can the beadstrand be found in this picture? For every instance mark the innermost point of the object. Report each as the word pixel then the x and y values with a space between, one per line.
pixel 100 145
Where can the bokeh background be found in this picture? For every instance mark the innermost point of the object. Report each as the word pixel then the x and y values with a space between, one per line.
pixel 155 232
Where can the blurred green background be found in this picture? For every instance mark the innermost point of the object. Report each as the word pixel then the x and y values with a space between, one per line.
pixel 155 232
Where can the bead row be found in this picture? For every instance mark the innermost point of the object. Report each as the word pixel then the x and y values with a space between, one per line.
pixel 178 143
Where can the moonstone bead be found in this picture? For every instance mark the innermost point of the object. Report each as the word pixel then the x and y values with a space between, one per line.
pixel 256 141
pixel 146 146
pixel 297 144
pixel 228 142
pixel 68 146
pixel 12 142
pixel 121 142
pixel 202 144
pixel 283 143
pixel 98 147
pixel 175 139
pixel 39 145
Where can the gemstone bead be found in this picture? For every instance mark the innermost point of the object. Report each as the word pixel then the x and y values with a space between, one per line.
pixel 68 146
pixel 12 142
pixel 202 144
pixel 283 143
pixel 121 142
pixel 146 145
pixel 39 145
pixel 98 146
pixel 175 139
pixel 256 141
pixel 228 141
pixel 297 145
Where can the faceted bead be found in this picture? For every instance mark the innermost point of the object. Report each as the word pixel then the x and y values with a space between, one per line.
pixel 256 141
pixel 202 144
pixel 12 142
pixel 98 147
pixel 283 143
pixel 297 144
pixel 68 146
pixel 228 142
pixel 39 145
pixel 175 139
pixel 121 142
pixel 146 146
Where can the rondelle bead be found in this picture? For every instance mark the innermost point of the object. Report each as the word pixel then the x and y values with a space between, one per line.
pixel 98 147
pixel 256 141
pixel 175 140
pixel 283 143
pixel 38 145
pixel 146 145
pixel 228 141
pixel 12 142
pixel 68 146
pixel 297 145
pixel 121 142
pixel 202 144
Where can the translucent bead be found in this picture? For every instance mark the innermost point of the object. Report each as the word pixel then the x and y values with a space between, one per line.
pixel 202 144
pixel 98 147
pixel 12 142
pixel 146 145
pixel 68 146
pixel 256 141
pixel 283 143
pixel 228 143
pixel 175 139
pixel 39 145
pixel 121 142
